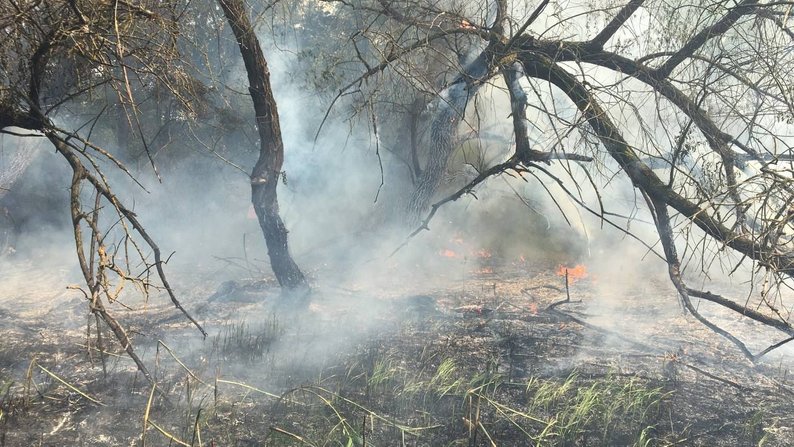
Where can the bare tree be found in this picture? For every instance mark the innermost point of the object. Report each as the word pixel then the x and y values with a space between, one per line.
pixel 59 53
pixel 690 103
pixel 267 170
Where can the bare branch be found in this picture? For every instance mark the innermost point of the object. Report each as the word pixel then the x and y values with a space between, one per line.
pixel 744 310
pixel 614 25
pixel 699 39
pixel 641 175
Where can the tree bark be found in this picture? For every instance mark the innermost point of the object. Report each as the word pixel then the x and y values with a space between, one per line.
pixel 452 104
pixel 267 170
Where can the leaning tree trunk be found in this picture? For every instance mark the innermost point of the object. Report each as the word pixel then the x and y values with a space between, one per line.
pixel 266 172
pixel 452 104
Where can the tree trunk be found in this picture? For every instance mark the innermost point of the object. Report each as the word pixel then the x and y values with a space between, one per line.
pixel 443 136
pixel 452 104
pixel 266 172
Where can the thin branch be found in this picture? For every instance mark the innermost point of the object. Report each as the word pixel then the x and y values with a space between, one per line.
pixel 743 310
pixel 641 175
pixel 659 211
pixel 391 57
pixel 64 149
pixel 532 17
pixel 706 34
pixel 612 27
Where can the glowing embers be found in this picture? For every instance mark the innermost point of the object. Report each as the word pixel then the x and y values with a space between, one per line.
pixel 472 257
pixel 533 308
pixel 458 247
pixel 484 271
pixel 482 253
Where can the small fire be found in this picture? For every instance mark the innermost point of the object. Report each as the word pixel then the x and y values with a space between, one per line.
pixel 533 308
pixel 448 253
pixel 485 271
pixel 483 253
pixel 575 273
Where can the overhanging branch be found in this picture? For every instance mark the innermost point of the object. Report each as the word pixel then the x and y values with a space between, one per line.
pixel 540 67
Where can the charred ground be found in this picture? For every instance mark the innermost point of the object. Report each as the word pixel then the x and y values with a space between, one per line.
pixel 492 357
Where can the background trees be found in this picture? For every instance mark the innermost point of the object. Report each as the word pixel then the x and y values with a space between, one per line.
pixel 688 103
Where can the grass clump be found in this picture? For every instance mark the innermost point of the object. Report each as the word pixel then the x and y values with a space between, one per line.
pixel 606 411
pixel 244 342
pixel 451 404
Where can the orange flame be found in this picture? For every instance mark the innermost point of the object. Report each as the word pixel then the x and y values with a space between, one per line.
pixel 483 253
pixel 574 273
pixel 533 308
pixel 448 253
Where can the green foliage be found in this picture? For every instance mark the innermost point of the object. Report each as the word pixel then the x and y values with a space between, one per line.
pixel 608 410
pixel 452 404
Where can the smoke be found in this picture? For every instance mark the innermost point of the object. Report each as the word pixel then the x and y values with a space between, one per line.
pixel 340 197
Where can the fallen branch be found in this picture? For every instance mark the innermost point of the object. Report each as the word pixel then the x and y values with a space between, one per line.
pixel 581 322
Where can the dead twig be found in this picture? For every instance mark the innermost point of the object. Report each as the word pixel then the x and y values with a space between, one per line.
pixel 715 377
pixel 298 438
pixel 581 322
pixel 68 385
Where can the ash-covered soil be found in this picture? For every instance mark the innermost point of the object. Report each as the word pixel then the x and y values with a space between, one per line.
pixel 487 355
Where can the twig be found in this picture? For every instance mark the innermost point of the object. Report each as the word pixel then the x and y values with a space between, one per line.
pixel 773 347
pixel 718 379
pixel 170 352
pixel 511 163
pixel 543 286
pixel 68 385
pixel 567 289
pixel 146 415
pixel 171 437
pixel 260 391
pixel 197 430
pixel 291 435
pixel 597 328
pixel 364 431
